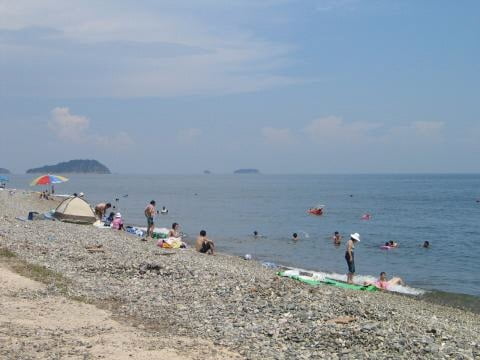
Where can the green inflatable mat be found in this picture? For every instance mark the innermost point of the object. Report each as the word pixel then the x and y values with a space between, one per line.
pixel 328 281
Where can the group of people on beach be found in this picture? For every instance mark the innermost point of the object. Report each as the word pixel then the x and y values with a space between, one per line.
pixel 202 244
pixel 205 245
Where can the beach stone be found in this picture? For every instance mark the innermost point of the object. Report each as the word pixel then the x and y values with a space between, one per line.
pixel 236 303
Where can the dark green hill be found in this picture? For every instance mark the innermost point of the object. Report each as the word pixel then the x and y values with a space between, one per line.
pixel 73 166
pixel 4 171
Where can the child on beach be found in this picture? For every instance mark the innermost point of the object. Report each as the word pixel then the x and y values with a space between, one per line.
pixel 117 222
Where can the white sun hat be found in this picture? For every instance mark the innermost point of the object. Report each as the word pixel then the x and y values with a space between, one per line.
pixel 118 215
pixel 355 236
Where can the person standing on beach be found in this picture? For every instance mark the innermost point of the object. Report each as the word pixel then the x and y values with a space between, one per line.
pixel 101 209
pixel 349 257
pixel 150 212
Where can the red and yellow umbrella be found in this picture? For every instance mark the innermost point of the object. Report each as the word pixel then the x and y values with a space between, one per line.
pixel 48 179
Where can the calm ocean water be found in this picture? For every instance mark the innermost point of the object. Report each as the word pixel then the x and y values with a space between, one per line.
pixel 408 209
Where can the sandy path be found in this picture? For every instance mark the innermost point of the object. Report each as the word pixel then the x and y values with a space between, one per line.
pixel 36 325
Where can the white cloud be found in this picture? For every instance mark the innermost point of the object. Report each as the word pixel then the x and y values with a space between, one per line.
pixel 188 136
pixel 428 128
pixel 277 136
pixel 71 128
pixel 333 128
pixel 68 127
pixel 223 57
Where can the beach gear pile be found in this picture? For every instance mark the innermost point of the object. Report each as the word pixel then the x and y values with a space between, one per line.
pixel 171 243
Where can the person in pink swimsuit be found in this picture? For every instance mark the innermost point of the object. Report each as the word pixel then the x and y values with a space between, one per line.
pixel 383 283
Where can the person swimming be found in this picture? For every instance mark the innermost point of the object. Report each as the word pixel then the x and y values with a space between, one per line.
pixel 337 238
pixel 391 243
pixel 164 211
pixel 426 244
pixel 295 236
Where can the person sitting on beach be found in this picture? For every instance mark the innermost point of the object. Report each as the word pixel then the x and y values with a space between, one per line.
pixel 164 211
pixel 150 212
pixel 383 283
pixel 101 210
pixel 295 237
pixel 426 244
pixel 117 222
pixel 175 231
pixel 392 244
pixel 337 238
pixel 204 244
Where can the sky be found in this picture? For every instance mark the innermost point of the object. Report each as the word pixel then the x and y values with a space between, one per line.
pixel 284 86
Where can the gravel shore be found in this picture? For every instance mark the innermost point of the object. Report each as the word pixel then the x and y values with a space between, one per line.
pixel 235 304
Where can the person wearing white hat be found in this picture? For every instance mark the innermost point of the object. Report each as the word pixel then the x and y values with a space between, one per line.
pixel 117 222
pixel 354 238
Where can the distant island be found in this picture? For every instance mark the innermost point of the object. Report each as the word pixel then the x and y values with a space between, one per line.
pixel 4 171
pixel 246 171
pixel 207 172
pixel 73 166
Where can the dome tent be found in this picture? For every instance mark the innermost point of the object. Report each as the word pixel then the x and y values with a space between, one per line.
pixel 75 210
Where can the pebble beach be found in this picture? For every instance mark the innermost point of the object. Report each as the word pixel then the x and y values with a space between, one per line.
pixel 237 306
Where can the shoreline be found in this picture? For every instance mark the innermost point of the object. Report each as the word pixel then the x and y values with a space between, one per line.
pixel 234 303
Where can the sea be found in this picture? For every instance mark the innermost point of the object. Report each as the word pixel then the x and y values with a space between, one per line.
pixel 408 209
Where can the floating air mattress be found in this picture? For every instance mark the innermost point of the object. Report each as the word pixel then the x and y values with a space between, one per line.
pixel 311 281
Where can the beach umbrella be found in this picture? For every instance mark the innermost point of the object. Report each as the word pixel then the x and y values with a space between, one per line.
pixel 48 180
pixel 3 178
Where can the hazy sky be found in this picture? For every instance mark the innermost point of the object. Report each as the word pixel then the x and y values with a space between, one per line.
pixel 286 86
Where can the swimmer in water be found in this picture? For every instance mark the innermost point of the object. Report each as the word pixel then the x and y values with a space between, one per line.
pixel 392 244
pixel 337 238
pixel 426 244
pixel 383 283
pixel 295 237
pixel 255 234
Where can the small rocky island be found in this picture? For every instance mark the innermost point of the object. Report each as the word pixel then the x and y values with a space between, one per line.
pixel 246 171
pixel 4 171
pixel 73 166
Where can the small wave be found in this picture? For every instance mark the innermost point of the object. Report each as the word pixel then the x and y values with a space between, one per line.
pixel 358 279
